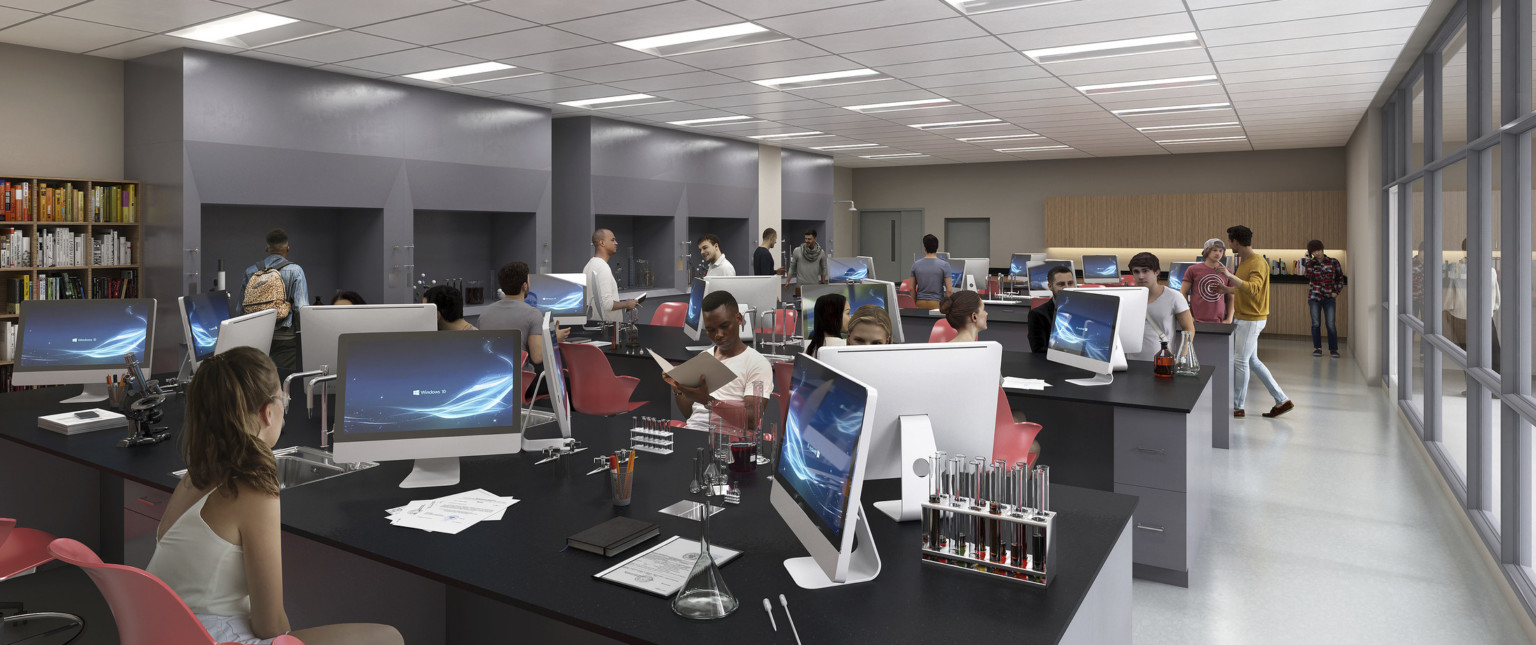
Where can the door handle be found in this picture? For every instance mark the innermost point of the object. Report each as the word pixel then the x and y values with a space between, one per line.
pixel 1144 527
pixel 1152 451
pixel 893 240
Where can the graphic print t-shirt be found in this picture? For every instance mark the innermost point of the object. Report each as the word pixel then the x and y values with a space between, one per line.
pixel 1207 302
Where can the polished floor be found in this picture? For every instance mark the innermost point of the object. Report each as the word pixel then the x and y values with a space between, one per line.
pixel 1328 526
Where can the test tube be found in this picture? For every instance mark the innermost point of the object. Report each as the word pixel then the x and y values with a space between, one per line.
pixel 1037 537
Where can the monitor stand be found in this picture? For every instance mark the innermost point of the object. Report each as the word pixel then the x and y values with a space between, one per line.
pixel 93 393
pixel 917 445
pixel 863 562
pixel 441 471
pixel 1099 379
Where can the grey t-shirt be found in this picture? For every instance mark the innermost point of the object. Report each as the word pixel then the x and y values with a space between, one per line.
pixel 929 274
pixel 1161 311
pixel 511 313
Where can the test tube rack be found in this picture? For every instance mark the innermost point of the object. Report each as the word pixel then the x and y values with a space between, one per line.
pixel 991 520
pixel 651 435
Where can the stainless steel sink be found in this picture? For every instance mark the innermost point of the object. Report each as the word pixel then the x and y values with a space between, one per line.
pixel 301 465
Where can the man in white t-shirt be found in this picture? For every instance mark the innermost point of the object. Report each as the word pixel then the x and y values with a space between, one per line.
pixel 714 259
pixel 1167 310
pixel 721 320
pixel 602 289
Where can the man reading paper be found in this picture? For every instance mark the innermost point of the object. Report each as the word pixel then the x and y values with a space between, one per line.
pixel 722 324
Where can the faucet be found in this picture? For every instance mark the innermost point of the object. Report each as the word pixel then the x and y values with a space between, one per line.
pixel 309 401
pixel 325 405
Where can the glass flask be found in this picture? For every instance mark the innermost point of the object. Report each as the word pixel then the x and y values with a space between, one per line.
pixel 704 596
pixel 1186 364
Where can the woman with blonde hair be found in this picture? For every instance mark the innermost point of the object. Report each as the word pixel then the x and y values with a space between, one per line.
pixel 869 325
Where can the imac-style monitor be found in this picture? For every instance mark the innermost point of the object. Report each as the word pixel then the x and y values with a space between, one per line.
pixel 1176 274
pixel 251 330
pixel 322 324
pixel 1101 269
pixel 819 476
pixel 559 397
pixel 1018 264
pixel 808 297
pixel 1039 276
pixel 693 319
pixel 200 319
pixel 975 269
pixel 1083 334
pixel 881 294
pixel 846 269
pixel 956 272
pixel 428 396
pixel 561 294
pixel 1132 326
pixel 760 292
pixel 62 342
pixel 869 265
pixel 942 255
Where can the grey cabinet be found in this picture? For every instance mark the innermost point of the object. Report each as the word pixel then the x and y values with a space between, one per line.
pixel 1163 458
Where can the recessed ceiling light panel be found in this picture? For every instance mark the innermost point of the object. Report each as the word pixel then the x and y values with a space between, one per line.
pixel 948 125
pixel 788 135
pixel 850 146
pixel 1000 137
pixel 1220 125
pixel 704 40
pixel 1143 86
pixel 252 29
pixel 719 120
pixel 923 104
pixel 1172 109
pixel 973 7
pixel 903 155
pixel 845 77
pixel 1033 148
pixel 467 74
pixel 1131 47
pixel 1202 140
pixel 610 102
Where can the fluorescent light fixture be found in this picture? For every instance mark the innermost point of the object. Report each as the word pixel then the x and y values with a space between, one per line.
pixel 973 7
pixel 788 135
pixel 1204 140
pixel 898 106
pixel 467 74
pixel 1131 47
pixel 610 102
pixel 1000 137
pixel 1222 125
pixel 1142 86
pixel 850 146
pixel 252 29
pixel 1033 148
pixel 719 120
pixel 1173 109
pixel 711 125
pixel 703 40
pixel 947 125
pixel 902 155
pixel 827 79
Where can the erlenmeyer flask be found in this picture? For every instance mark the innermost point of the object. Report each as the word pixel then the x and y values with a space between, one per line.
pixel 1186 364
pixel 704 596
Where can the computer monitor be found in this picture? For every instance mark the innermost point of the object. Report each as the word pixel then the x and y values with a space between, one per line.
pixel 869 262
pixel 1018 264
pixel 1039 276
pixel 1083 334
pixel 942 255
pixel 200 319
pixel 1176 274
pixel 819 476
pixel 881 294
pixel 956 272
pixel 846 270
pixel 561 294
pixel 559 397
pixel 251 330
pixel 1100 269
pixel 62 342
pixel 1133 321
pixel 808 296
pixel 322 324
pixel 760 292
pixel 428 396
pixel 950 387
pixel 973 268
pixel 693 320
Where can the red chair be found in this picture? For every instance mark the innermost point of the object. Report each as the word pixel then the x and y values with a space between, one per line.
pixel 146 610
pixel 1036 303
pixel 670 314
pixel 21 551
pixel 906 286
pixel 528 389
pixel 942 332
pixel 905 301
pixel 594 388
pixel 1012 441
pixel 784 323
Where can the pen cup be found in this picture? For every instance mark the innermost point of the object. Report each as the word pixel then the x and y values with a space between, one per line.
pixel 115 394
pixel 621 483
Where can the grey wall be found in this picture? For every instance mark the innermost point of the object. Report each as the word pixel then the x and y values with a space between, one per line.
pixel 1013 194
pixel 472 245
pixel 62 115
pixel 332 245
pixel 1367 279
pixel 807 199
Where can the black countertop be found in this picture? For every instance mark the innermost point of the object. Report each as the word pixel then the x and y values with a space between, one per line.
pixel 519 560
pixel 1134 388
pixel 1215 328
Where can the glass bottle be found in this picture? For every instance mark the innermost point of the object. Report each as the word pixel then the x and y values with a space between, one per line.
pixel 1186 364
pixel 1162 363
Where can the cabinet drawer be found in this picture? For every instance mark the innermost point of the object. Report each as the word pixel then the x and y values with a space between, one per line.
pixel 1151 457
pixel 1160 527
pixel 146 501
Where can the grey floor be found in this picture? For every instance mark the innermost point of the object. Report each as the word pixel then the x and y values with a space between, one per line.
pixel 1327 526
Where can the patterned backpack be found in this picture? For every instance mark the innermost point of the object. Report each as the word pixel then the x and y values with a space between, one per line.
pixel 266 290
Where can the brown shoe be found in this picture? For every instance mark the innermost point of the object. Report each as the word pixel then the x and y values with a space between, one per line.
pixel 1280 409
pixel 1239 413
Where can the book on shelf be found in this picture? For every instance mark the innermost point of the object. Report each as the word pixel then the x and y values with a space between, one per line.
pixel 111 249
pixel 16 204
pixel 120 287
pixel 7 341
pixel 15 248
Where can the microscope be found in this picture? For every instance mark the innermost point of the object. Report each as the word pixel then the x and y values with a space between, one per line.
pixel 143 411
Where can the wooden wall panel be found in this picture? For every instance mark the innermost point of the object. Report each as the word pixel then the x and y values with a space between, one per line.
pixel 1283 220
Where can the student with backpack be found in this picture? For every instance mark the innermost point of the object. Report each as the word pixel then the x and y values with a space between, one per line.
pixel 276 283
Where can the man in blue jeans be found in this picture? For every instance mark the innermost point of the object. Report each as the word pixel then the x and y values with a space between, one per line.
pixel 1325 279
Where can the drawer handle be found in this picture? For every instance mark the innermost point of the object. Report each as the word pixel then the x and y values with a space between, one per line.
pixel 1152 451
pixel 149 502
pixel 1144 527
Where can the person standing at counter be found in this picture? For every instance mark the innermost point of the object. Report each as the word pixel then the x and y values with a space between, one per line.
pixel 965 312
pixel 762 258
pixel 1325 279
pixel 1167 312
pixel 1043 318
pixel 1251 312
pixel 808 262
pixel 219 545
pixel 931 279
pixel 602 289
pixel 1206 286
pixel 715 264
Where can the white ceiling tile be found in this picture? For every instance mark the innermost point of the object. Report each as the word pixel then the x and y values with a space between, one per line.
pixel 348 14
pixel 1374 69
pixel 754 9
pixel 1320 81
pixel 626 71
pixel 67 34
pixel 39 6
pixel 955 65
pixel 742 100
pixel 1351 98
pixel 685 15
pixel 1124 76
pixel 575 94
pixel 448 25
pixel 552 11
pixel 577 58
pixel 1017 73
pixel 753 55
pixel 642 110
pixel 1000 86
pixel 525 84
pixel 523 42
pixel 1160 25
pixel 1151 63
pixel 252 4
pixel 901 35
pixel 161 15
pixel 837 92
pixel 1186 96
pixel 1330 25
pixel 269 56
pixel 928 52
pixel 151 45
pixel 9 16
pixel 1376 38
pixel 410 61
pixel 1270 12
pixel 714 91
pixel 780 69
pixel 1259 92
pixel 1384 52
pixel 882 13
pixel 656 84
pixel 1073 13
pixel 351 71
pixel 338 46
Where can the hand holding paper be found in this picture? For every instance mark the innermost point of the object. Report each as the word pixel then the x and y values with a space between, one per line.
pixel 702 369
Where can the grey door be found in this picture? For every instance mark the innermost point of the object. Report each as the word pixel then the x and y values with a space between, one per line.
pixel 892 238
pixel 968 237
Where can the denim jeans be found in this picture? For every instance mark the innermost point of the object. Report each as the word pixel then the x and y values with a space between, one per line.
pixel 1324 309
pixel 1246 358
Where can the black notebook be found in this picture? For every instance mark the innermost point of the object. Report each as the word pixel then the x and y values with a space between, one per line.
pixel 613 536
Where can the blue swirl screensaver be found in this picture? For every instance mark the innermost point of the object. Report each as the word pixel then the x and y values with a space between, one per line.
pixel 441 382
pixel 1019 265
pixel 1176 274
pixel 821 436
pixel 204 313
pixel 1100 266
pixel 695 305
pixel 556 296
pixel 1038 274
pixel 84 333
pixel 845 270
pixel 1085 324
pixel 867 294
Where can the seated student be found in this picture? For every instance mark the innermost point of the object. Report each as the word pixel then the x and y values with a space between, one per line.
pixel 450 308
pixel 967 314
pixel 869 325
pixel 348 298
pixel 219 545
pixel 831 317
pixel 1043 318
pixel 1165 309
pixel 931 278
pixel 721 321
pixel 512 313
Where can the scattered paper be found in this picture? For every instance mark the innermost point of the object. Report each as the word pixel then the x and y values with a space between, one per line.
pixel 662 569
pixel 1014 383
pixel 451 514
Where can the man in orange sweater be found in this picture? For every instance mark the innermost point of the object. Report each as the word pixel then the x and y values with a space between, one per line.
pixel 1250 313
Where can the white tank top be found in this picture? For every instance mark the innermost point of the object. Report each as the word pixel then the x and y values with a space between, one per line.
pixel 204 569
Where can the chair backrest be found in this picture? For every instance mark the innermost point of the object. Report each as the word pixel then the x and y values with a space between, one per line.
pixel 906 286
pixel 785 322
pixel 670 314
pixel 1011 441
pixel 942 332
pixel 905 301
pixel 6 524
pixel 589 371
pixel 145 609
pixel 1036 303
